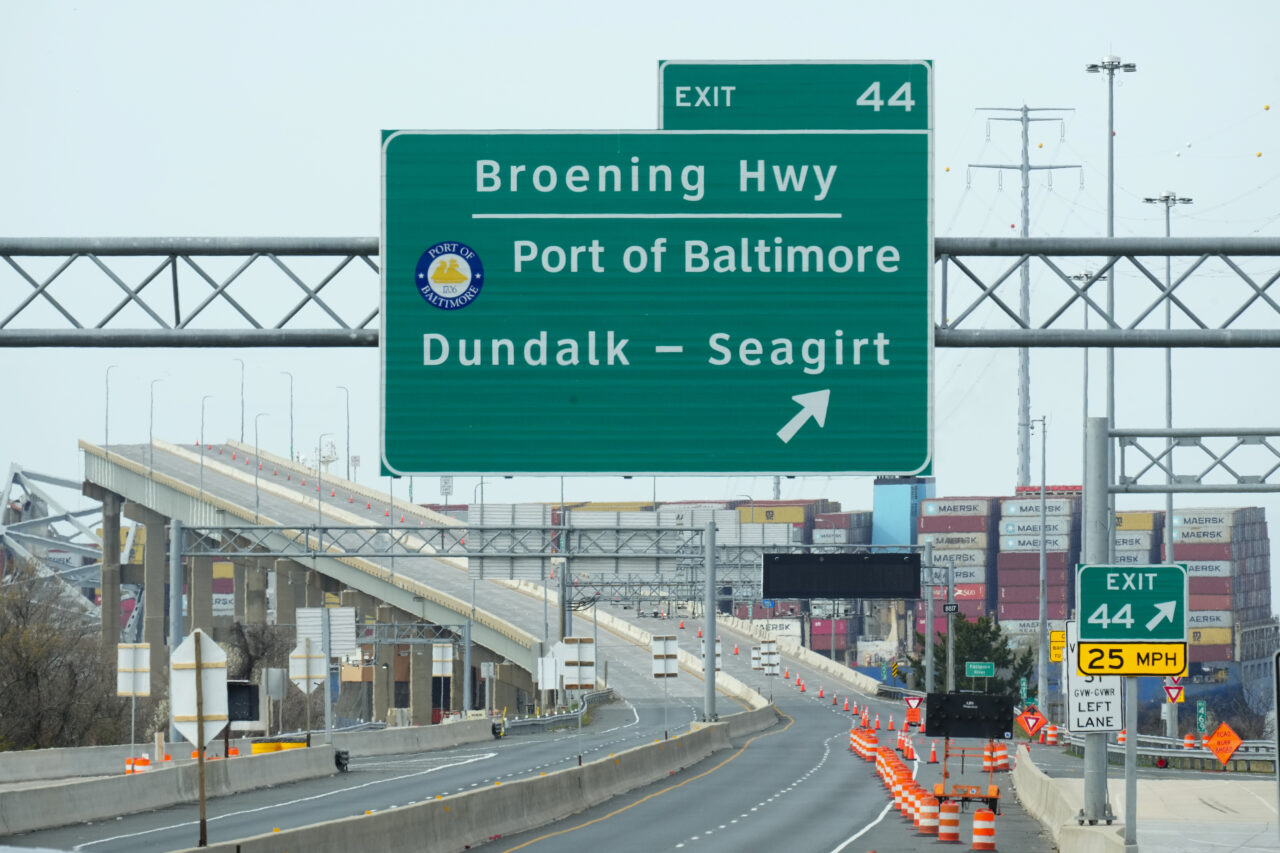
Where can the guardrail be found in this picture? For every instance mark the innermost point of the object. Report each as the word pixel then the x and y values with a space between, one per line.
pixel 536 725
pixel 1250 756
pixel 892 692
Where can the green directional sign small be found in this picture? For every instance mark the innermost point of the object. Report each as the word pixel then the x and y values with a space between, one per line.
pixel 1202 716
pixel 979 669
pixel 1134 604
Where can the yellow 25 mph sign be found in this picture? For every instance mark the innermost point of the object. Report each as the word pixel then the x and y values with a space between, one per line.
pixel 1133 658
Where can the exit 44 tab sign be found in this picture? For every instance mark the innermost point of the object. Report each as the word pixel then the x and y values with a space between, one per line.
pixel 1133 620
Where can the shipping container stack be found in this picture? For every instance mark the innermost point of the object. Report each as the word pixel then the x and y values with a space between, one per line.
pixel 842 528
pixel 963 534
pixel 1018 561
pixel 1139 538
pixel 1228 559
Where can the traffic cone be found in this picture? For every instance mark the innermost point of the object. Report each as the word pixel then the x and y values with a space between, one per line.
pixel 275 472
pixel 821 692
pixel 699 632
pixel 855 705
pixel 681 624
pixel 304 482
pixel 233 455
pixel 846 705
pixel 802 687
pixel 351 499
pixel 786 675
pixel 891 722
pixel 1042 737
pixel 877 727
pixel 368 504
pixel 402 519
pixel 933 752
pixel 833 699
pixel 735 648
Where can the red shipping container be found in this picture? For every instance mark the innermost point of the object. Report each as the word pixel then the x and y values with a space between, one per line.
pixel 1207 654
pixel 955 523
pixel 1201 551
pixel 1031 610
pixel 832 520
pixel 1031 577
pixel 1209 602
pixel 964 592
pixel 1031 560
pixel 1209 586
pixel 822 643
pixel 1022 594
pixel 939 625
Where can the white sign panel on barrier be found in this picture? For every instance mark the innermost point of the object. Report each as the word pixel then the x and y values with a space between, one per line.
pixel 769 657
pixel 342 628
pixel 133 669
pixel 1093 701
pixel 213 687
pixel 442 660
pixel 665 663
pixel 578 664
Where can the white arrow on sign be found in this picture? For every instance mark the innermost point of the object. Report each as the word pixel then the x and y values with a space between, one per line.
pixel 1164 610
pixel 813 404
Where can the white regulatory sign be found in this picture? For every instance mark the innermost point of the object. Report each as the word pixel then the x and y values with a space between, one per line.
pixel 1093 701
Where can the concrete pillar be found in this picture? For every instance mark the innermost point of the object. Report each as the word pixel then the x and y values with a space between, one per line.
pixel 255 595
pixel 110 574
pixel 201 594
pixel 420 684
pixel 286 592
pixel 384 673
pixel 240 572
pixel 315 589
pixel 155 571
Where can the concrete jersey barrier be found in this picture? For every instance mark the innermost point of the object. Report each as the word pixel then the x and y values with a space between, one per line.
pixel 453 823
pixel 29 809
pixel 414 738
pixel 808 657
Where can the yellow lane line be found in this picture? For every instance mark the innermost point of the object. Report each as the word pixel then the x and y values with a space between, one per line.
pixel 655 794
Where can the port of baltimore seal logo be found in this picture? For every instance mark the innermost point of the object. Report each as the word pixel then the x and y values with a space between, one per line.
pixel 449 275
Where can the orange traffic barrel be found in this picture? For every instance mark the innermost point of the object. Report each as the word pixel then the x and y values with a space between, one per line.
pixel 984 830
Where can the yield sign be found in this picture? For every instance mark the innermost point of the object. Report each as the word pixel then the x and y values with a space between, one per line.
pixel 1031 720
pixel 1177 693
pixel 914 701
pixel 1176 679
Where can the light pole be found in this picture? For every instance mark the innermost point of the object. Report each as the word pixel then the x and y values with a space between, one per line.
pixel 320 481
pixel 292 458
pixel 347 394
pixel 1042 661
pixel 151 427
pixel 1168 198
pixel 203 400
pixel 241 360
pixel 1110 65
pixel 256 468
pixel 106 410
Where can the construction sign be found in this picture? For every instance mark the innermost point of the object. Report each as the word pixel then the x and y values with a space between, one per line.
pixel 1223 743
pixel 1031 720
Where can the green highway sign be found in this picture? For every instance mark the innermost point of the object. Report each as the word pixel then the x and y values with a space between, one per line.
pixel 1202 716
pixel 723 302
pixel 979 669
pixel 1133 604
pixel 782 95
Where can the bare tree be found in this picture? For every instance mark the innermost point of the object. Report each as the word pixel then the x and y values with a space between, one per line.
pixel 55 689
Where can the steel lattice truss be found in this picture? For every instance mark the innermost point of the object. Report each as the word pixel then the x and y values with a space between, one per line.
pixel 57 542
pixel 239 292
pixel 1220 460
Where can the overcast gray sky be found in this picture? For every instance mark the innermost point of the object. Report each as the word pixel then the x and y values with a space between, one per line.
pixel 262 119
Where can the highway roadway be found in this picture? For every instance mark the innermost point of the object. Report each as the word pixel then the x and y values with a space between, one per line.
pixel 795 784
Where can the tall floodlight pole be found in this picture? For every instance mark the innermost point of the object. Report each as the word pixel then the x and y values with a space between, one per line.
pixel 1168 198
pixel 257 468
pixel 320 479
pixel 106 409
pixel 151 426
pixel 1111 64
pixel 1097 527
pixel 347 393
pixel 206 398
pixel 241 360
pixel 1042 664
pixel 1025 168
pixel 291 456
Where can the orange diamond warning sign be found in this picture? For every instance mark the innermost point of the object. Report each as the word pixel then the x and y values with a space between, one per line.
pixel 1223 743
pixel 1031 720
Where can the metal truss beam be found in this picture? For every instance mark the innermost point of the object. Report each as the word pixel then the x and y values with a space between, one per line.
pixel 1219 459
pixel 167 292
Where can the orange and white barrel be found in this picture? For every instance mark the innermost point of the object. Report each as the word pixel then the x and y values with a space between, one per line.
pixel 988 760
pixel 984 830
pixel 1052 739
pixel 949 821
pixel 1122 737
pixel 1189 742
pixel 928 824
pixel 1002 756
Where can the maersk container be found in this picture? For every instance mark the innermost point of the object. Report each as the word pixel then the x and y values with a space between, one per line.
pixel 955 541
pixel 830 536
pixel 1032 543
pixel 1031 577
pixel 1187 552
pixel 1030 626
pixel 958 557
pixel 1134 556
pixel 1059 526
pixel 1209 619
pixel 1208 602
pixel 1216 515
pixel 1025 507
pixel 964 592
pixel 1210 654
pixel 1209 533
pixel 969 574
pixel 1134 540
pixel 957 506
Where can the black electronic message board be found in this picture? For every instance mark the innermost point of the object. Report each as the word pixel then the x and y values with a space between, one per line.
pixel 865 575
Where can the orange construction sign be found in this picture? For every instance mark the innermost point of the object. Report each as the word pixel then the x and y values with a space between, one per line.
pixel 913 716
pixel 1031 720
pixel 1223 743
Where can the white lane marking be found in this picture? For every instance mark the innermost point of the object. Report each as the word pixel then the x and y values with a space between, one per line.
pixel 861 832
pixel 286 803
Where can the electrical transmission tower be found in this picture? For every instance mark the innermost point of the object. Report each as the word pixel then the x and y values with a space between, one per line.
pixel 1025 118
